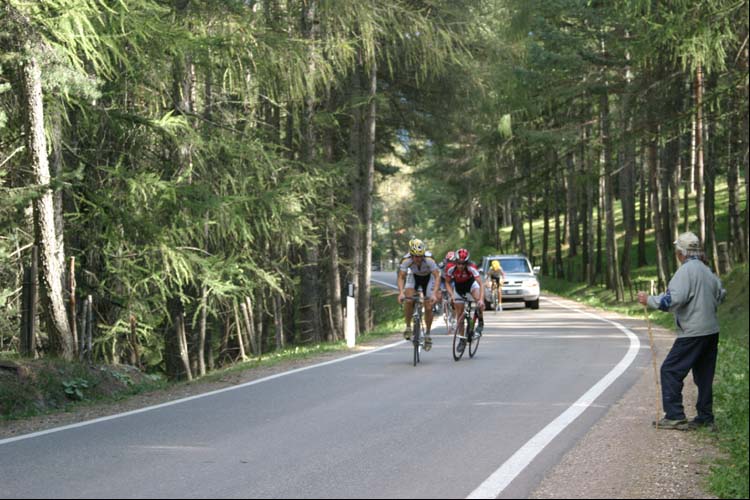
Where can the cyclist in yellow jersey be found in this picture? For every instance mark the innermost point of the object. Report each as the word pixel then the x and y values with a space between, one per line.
pixel 497 275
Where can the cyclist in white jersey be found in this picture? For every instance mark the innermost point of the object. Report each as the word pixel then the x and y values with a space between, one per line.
pixel 418 271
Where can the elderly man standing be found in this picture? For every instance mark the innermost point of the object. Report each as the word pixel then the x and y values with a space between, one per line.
pixel 693 295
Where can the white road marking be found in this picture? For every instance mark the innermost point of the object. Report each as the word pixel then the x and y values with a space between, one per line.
pixel 197 396
pixel 502 477
pixel 384 283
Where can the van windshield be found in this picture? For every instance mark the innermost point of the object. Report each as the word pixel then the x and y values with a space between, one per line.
pixel 515 266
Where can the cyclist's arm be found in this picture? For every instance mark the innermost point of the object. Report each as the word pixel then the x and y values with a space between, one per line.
pixel 401 282
pixel 436 286
pixel 449 288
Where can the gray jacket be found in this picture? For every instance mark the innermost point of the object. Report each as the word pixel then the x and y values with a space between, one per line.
pixel 693 295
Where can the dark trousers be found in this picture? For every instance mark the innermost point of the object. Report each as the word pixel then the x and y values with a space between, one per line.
pixel 692 353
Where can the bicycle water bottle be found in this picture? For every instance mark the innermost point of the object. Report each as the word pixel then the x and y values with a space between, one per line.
pixel 471 325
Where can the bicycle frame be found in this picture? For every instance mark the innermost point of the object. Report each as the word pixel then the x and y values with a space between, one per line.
pixel 418 328
pixel 465 327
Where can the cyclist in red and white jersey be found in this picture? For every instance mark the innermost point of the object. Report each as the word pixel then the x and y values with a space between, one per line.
pixel 443 266
pixel 462 277
pixel 418 271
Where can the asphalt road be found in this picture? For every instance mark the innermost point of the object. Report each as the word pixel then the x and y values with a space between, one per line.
pixel 366 426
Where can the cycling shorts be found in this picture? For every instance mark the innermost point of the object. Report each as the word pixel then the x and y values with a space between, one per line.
pixel 462 289
pixel 426 283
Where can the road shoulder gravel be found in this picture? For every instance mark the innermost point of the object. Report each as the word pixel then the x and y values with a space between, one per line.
pixel 623 456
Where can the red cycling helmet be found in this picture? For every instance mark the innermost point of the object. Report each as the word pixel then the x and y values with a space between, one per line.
pixel 462 255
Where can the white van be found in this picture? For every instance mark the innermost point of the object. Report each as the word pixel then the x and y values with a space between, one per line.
pixel 521 283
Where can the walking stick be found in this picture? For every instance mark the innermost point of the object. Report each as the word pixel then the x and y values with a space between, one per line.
pixel 653 362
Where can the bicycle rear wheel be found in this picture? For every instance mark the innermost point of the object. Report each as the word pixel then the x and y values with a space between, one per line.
pixel 449 318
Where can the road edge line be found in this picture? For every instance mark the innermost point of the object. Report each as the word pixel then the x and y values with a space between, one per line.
pixel 190 398
pixel 494 485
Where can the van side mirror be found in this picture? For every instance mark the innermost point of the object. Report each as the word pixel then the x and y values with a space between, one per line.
pixel 537 269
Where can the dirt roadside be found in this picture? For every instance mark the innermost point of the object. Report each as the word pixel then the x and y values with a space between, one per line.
pixel 622 456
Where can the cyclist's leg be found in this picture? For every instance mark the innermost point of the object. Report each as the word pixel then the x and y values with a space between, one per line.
pixel 428 304
pixel 423 283
pixel 458 309
pixel 475 293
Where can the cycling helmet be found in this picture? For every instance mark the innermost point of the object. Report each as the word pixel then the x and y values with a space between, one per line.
pixel 450 256
pixel 462 255
pixel 417 247
pixel 495 265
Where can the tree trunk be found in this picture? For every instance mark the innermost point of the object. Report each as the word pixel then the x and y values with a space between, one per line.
pixel 202 332
pixel 745 141
pixel 736 236
pixel 572 206
pixel 355 153
pixel 642 217
pixel 674 158
pixel 699 165
pixel 278 323
pixel 49 243
pixel 365 316
pixel 600 214
pixel 558 234
pixel 653 167
pixel 613 269
pixel 627 189
pixel 545 234
pixel 710 185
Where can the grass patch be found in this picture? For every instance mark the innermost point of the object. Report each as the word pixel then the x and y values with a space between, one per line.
pixel 36 387
pixel 599 296
pixel 729 477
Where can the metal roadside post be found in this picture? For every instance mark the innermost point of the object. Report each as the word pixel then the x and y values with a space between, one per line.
pixel 351 315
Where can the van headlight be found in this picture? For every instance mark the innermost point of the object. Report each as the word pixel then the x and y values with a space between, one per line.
pixel 531 284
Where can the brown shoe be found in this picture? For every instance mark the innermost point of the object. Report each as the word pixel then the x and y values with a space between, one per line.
pixel 665 423
pixel 697 424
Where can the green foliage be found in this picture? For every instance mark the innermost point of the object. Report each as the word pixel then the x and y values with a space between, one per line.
pixel 48 385
pixel 729 479
pixel 74 388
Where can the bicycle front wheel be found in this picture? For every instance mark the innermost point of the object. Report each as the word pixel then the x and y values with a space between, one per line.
pixel 416 339
pixel 473 344
pixel 458 349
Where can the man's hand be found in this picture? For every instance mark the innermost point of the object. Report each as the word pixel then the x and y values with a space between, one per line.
pixel 401 297
pixel 643 298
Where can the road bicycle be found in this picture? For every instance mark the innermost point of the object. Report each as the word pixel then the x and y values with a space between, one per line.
pixel 417 325
pixel 466 322
pixel 449 315
pixel 495 298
